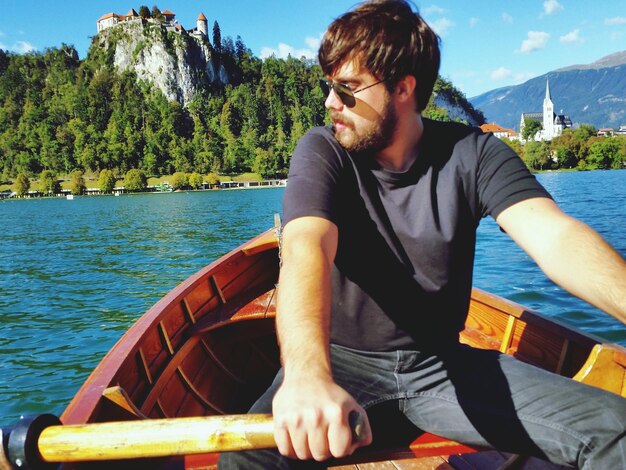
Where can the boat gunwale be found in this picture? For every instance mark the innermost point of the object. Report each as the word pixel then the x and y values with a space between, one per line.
pixel 85 401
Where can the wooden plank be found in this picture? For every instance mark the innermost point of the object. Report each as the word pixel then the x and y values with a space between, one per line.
pixel 119 396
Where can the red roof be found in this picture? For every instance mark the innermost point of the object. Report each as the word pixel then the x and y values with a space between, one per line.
pixel 493 127
pixel 168 13
pixel 202 17
pixel 106 16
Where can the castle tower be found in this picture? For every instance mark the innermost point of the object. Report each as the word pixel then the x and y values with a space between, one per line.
pixel 548 114
pixel 202 24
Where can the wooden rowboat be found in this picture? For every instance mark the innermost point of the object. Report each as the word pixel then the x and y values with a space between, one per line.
pixel 209 348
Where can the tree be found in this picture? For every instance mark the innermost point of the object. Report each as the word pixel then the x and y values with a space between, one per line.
pixel 106 181
pixel 531 127
pixel 144 12
pixel 21 185
pixel 212 179
pixel 180 180
pixel 537 155
pixel 602 154
pixel 77 182
pixel 49 182
pixel 196 180
pixel 156 14
pixel 217 37
pixel 135 180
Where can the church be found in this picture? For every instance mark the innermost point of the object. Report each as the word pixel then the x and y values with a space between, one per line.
pixel 552 123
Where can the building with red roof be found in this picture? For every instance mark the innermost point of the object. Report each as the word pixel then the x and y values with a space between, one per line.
pixel 499 131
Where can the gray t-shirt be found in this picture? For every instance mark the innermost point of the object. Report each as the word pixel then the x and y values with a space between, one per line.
pixel 402 276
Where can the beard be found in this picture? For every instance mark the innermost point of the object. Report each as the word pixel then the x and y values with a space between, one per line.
pixel 374 136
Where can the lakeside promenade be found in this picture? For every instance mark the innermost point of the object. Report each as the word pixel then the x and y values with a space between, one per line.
pixel 118 190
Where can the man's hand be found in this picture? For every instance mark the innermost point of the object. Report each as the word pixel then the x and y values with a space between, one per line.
pixel 311 419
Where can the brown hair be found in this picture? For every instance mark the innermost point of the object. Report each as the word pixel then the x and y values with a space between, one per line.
pixel 389 40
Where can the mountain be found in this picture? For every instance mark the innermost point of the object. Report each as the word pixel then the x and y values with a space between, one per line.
pixel 590 94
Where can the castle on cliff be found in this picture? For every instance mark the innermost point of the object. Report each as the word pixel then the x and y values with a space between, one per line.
pixel 169 21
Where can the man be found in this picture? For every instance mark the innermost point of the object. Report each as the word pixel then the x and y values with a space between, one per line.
pixel 381 214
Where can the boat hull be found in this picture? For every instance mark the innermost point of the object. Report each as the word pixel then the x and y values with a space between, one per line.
pixel 209 348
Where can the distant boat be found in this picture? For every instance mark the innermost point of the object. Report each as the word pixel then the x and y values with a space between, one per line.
pixel 164 188
pixel 69 197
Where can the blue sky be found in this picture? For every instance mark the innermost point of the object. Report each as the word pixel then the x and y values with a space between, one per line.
pixel 486 44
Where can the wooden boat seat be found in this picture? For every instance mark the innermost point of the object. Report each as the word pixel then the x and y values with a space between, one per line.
pixel 605 368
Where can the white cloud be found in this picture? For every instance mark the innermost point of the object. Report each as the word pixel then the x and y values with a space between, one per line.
pixel 19 47
pixel 615 21
pixel 617 35
pixel 501 73
pixel 550 7
pixel 536 40
pixel 313 43
pixel 441 26
pixel 473 21
pixel 285 50
pixel 507 18
pixel 433 9
pixel 572 37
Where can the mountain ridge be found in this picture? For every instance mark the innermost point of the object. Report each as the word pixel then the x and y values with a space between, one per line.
pixel 591 94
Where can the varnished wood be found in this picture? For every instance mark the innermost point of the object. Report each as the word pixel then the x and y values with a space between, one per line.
pixel 119 396
pixel 155 438
pixel 209 347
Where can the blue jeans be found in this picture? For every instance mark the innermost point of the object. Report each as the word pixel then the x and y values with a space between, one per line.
pixel 473 396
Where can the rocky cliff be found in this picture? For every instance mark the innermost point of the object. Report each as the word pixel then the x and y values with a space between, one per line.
pixel 178 63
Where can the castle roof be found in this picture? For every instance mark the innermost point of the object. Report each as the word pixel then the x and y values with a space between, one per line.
pixel 132 12
pixel 168 13
pixel 108 15
pixel 201 17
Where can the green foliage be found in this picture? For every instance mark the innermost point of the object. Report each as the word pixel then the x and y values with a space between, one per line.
pixel 531 127
pixel 49 183
pixel 603 155
pixel 106 181
pixel 179 180
pixel 21 185
pixel 135 180
pixel 537 155
pixel 77 182
pixel 196 180
pixel 212 179
pixel 144 12
pixel 59 113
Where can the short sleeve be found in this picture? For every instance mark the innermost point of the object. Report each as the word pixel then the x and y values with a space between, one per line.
pixel 503 179
pixel 314 174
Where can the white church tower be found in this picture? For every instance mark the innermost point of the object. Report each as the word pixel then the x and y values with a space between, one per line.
pixel 201 24
pixel 548 115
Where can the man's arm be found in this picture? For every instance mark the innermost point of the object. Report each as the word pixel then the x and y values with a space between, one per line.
pixel 570 252
pixel 310 410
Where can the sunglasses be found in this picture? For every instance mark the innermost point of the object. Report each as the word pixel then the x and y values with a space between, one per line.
pixel 343 91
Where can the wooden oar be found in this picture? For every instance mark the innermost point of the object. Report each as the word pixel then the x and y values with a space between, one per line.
pixel 147 438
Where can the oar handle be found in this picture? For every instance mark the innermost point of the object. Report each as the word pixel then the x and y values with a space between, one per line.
pixel 144 438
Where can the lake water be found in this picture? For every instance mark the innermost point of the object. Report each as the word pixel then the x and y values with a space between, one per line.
pixel 74 275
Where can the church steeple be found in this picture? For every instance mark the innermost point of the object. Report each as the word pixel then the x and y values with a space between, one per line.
pixel 548 114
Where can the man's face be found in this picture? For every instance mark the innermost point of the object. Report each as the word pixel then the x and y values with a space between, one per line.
pixel 370 123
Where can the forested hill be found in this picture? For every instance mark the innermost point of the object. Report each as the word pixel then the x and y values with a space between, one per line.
pixel 163 101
